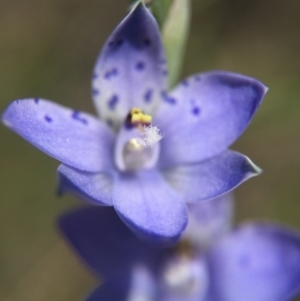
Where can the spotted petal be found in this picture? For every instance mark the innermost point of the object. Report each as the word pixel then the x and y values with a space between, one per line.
pixel 257 262
pixel 206 114
pixel 150 207
pixel 131 69
pixel 211 178
pixel 77 139
pixel 94 188
pixel 108 247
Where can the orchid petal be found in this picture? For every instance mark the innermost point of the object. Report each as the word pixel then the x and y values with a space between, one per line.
pixel 209 220
pixel 143 284
pixel 95 188
pixel 77 139
pixel 257 262
pixel 211 178
pixel 103 241
pixel 206 114
pixel 131 69
pixel 138 286
pixel 150 207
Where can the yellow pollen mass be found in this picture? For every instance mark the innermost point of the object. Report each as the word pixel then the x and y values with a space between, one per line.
pixel 138 117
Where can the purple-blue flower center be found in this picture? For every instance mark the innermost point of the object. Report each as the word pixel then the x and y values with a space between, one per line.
pixel 137 144
pixel 185 273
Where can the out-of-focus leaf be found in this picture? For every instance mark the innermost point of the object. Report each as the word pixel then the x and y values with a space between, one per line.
pixel 160 9
pixel 175 32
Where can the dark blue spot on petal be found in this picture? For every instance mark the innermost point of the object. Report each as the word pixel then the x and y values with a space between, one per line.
pixel 162 61
pixel 95 75
pixel 168 99
pixel 112 102
pixel 115 44
pixel 36 100
pixel 140 66
pixel 95 92
pixel 148 95
pixel 48 119
pixel 185 83
pixel 17 101
pixel 165 72
pixel 119 43
pixel 76 116
pixel 111 73
pixel 196 111
pixel 147 42
pixel 198 78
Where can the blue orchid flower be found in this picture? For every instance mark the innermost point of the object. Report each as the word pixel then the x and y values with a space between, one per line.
pixel 257 261
pixel 151 152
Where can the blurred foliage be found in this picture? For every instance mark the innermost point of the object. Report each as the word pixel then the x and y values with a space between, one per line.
pixel 160 9
pixel 48 49
pixel 175 31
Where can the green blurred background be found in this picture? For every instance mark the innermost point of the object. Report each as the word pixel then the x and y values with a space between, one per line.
pixel 48 48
